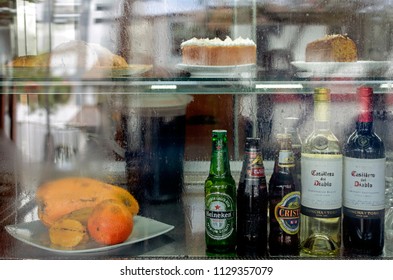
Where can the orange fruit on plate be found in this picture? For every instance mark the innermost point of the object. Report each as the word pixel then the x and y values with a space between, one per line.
pixel 67 233
pixel 110 222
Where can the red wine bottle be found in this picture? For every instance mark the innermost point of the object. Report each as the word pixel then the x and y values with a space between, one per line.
pixel 364 184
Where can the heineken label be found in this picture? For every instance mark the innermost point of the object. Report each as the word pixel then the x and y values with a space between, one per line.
pixel 219 216
pixel 287 213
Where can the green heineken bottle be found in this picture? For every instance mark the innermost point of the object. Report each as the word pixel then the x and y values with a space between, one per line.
pixel 220 199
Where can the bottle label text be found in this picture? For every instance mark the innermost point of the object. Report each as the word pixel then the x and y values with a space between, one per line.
pixel 364 183
pixel 287 213
pixel 321 184
pixel 220 216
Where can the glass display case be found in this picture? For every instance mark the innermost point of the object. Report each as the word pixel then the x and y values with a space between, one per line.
pixel 147 126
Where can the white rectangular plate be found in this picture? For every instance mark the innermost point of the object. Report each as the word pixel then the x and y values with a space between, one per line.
pixel 345 69
pixel 36 234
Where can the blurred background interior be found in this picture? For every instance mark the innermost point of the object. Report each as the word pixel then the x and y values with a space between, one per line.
pixel 150 33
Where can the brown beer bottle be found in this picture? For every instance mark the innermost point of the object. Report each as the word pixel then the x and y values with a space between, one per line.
pixel 284 202
pixel 252 201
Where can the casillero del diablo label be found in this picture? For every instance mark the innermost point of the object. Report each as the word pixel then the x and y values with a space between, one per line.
pixel 321 185
pixel 364 184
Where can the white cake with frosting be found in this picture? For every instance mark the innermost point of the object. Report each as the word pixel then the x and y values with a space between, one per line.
pixel 217 52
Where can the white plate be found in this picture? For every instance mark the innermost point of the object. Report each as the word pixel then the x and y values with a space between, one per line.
pixel 131 70
pixel 95 73
pixel 233 71
pixel 36 234
pixel 344 69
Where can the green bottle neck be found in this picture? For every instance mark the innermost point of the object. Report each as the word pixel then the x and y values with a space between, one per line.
pixel 219 163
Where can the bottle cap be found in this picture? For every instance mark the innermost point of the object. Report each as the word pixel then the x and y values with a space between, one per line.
pixel 365 102
pixel 252 143
pixel 219 134
pixel 322 94
pixel 365 91
pixel 280 136
pixel 253 140
pixel 219 131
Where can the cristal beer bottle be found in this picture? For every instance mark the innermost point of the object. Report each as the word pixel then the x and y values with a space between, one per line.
pixel 364 184
pixel 252 201
pixel 220 199
pixel 291 129
pixel 284 202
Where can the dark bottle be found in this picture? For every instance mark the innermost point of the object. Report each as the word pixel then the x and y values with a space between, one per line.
pixel 364 184
pixel 252 201
pixel 284 202
pixel 220 199
pixel 292 129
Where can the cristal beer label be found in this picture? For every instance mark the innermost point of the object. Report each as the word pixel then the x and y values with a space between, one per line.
pixel 287 213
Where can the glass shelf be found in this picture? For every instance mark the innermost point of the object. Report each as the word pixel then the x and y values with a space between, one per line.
pixel 192 86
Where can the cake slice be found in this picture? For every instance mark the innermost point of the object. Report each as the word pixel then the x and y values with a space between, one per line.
pixel 334 48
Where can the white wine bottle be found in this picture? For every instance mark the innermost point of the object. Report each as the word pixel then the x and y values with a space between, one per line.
pixel 321 190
